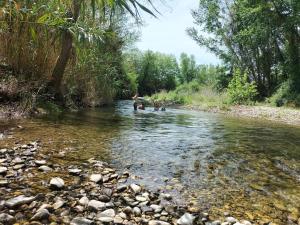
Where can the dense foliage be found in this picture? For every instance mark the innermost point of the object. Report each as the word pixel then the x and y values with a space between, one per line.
pixel 68 49
pixel 261 37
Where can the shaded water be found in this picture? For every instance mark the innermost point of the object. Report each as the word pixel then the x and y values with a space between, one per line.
pixel 250 168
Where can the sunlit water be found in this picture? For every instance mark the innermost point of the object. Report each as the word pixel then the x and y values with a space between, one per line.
pixel 250 168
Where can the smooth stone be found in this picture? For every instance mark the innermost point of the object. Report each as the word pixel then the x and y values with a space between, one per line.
pixel 3 170
pixel 107 213
pixel 104 198
pixel 57 182
pixel 3 183
pixel 81 221
pixel 156 208
pixel 45 168
pixel 58 204
pixel 96 178
pixel 118 220
pixel 217 222
pixel 19 200
pixel 158 222
pixel 140 198
pixel 96 205
pixel 41 214
pixel 106 219
pixel 186 219
pixel 166 196
pixel 75 171
pixel 84 201
pixel 121 188
pixel 40 162
pixel 137 211
pixel 136 188
pixel 7 219
pixel 231 220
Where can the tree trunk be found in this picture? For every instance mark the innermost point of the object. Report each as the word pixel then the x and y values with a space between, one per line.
pixel 64 56
pixel 61 63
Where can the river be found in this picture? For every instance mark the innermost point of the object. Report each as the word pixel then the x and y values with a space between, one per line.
pixel 250 168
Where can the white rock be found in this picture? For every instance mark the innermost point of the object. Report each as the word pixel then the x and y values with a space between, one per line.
pixel 80 221
pixel 84 201
pixel 96 205
pixel 45 168
pixel 3 170
pixel 96 178
pixel 75 171
pixel 186 219
pixel 107 213
pixel 245 222
pixel 231 220
pixel 57 182
pixel 40 162
pixel 136 188
pixel 19 200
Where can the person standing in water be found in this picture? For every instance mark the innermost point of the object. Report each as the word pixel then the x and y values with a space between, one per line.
pixel 135 104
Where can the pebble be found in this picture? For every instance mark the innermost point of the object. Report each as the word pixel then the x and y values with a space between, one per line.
pixel 19 200
pixel 3 170
pixel 75 172
pixel 186 219
pixel 45 168
pixel 96 205
pixel 41 214
pixel 231 220
pixel 81 221
pixel 137 211
pixel 84 201
pixel 7 219
pixel 40 162
pixel 96 178
pixel 158 222
pixel 57 183
pixel 136 188
pixel 107 213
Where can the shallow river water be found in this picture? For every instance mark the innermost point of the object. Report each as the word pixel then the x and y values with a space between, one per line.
pixel 250 168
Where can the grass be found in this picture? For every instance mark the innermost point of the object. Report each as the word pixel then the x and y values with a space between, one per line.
pixel 193 95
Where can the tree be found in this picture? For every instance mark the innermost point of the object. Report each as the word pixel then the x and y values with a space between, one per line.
pixel 188 68
pixel 261 37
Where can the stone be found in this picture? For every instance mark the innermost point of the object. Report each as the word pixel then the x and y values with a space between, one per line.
pixel 19 200
pixel 58 204
pixel 96 205
pixel 166 196
pixel 137 211
pixel 96 178
pixel 41 214
pixel 81 221
pixel 158 222
pixel 84 201
pixel 121 188
pixel 45 168
pixel 231 220
pixel 186 219
pixel 3 170
pixel 118 220
pixel 75 172
pixel 106 219
pixel 141 198
pixel 136 188
pixel 128 210
pixel 7 219
pixel 216 222
pixel 57 183
pixel 40 162
pixel 3 183
pixel 107 213
pixel 156 208
pixel 104 198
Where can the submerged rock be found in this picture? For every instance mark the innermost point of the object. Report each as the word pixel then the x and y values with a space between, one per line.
pixel 57 183
pixel 186 219
pixel 20 200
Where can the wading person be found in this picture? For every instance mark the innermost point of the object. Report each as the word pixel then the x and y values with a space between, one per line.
pixel 135 104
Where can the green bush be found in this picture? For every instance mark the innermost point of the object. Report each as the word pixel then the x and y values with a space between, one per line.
pixel 241 91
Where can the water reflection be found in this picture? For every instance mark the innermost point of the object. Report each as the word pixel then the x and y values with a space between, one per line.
pixel 217 163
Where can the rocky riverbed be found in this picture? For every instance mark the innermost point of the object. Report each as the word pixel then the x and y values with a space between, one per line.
pixel 34 190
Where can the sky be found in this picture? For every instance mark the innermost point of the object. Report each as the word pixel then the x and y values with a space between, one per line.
pixel 167 34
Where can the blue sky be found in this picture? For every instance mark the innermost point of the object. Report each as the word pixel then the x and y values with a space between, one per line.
pixel 167 34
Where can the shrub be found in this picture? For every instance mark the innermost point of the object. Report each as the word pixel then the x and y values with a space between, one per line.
pixel 241 91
